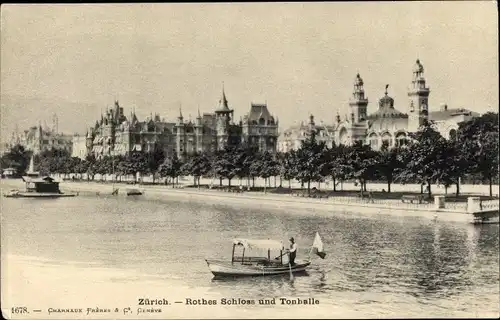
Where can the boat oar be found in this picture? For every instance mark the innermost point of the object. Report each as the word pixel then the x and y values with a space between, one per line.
pixel 289 264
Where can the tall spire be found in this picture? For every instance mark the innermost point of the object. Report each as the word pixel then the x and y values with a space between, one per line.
pixel 198 118
pixel 180 111
pixel 223 101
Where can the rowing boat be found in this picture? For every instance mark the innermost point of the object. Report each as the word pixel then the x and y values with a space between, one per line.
pixel 255 265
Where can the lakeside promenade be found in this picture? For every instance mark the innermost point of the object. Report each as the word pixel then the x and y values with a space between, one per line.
pixel 452 211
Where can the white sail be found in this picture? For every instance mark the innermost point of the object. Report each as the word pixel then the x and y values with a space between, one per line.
pixel 317 246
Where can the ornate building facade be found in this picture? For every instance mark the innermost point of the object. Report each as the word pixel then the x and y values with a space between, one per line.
pixel 386 124
pixel 116 134
pixel 37 139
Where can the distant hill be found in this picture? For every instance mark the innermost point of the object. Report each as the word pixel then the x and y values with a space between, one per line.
pixel 73 117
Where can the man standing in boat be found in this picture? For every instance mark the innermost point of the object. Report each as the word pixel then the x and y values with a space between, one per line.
pixel 292 252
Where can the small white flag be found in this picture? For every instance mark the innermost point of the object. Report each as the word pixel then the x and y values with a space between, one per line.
pixel 318 246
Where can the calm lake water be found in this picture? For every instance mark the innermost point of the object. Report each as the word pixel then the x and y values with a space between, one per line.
pixel 376 265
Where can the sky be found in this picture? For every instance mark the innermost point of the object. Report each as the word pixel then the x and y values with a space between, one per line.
pixel 300 58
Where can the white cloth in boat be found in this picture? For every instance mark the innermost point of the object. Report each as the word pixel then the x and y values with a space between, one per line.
pixel 259 244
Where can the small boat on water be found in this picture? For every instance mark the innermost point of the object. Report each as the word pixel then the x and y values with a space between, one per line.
pixel 134 192
pixel 259 265
pixel 255 265
pixel 44 187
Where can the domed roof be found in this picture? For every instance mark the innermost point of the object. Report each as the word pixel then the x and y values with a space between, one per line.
pixel 386 101
pixel 386 108
pixel 418 67
pixel 386 112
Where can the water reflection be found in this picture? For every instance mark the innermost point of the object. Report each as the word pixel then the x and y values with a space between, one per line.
pixel 369 258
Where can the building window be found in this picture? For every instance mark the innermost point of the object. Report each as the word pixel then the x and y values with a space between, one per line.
pixel 401 139
pixel 387 140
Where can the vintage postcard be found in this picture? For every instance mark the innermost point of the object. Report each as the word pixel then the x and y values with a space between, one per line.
pixel 249 160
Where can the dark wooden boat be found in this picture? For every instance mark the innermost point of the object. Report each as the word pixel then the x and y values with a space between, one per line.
pixel 44 187
pixel 255 265
pixel 134 192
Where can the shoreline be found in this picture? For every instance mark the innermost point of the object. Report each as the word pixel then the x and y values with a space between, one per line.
pixel 454 212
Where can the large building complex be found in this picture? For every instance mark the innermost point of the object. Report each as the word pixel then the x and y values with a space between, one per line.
pixel 386 124
pixel 37 139
pixel 115 134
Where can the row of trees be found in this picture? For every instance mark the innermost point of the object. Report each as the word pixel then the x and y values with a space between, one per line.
pixel 427 158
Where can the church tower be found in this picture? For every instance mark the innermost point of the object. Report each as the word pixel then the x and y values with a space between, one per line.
pixel 89 141
pixel 198 130
pixel 180 136
pixel 419 99
pixel 358 102
pixel 223 117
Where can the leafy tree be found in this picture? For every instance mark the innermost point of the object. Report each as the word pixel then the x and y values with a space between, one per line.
pixel 17 158
pixel 48 162
pixel 478 139
pixel 268 167
pixel 196 165
pixel 287 166
pixel 454 166
pixel 424 158
pixel 103 166
pixel 153 161
pixel 250 156
pixel 123 166
pixel 82 167
pixel 361 161
pixel 224 165
pixel 387 163
pixel 171 167
pixel 336 163
pixel 310 156
pixel 137 162
pixel 255 167
pixel 240 157
pixel 91 166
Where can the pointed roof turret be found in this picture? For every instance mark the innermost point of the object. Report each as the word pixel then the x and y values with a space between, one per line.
pixel 180 113
pixel 223 106
pixel 134 119
pixel 198 118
